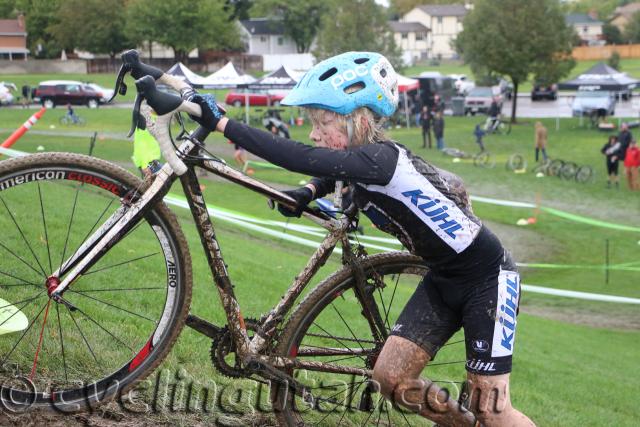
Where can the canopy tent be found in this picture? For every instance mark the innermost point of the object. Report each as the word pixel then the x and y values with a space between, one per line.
pixel 181 71
pixel 227 77
pixel 405 84
pixel 282 78
pixel 600 77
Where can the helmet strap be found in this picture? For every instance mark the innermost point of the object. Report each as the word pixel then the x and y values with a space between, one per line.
pixel 350 131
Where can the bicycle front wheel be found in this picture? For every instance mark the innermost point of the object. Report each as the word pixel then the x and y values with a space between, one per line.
pixel 330 326
pixel 122 315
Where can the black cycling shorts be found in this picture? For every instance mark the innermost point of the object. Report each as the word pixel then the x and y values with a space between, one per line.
pixel 612 168
pixel 485 306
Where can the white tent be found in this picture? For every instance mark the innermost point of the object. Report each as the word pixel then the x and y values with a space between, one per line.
pixel 181 71
pixel 227 77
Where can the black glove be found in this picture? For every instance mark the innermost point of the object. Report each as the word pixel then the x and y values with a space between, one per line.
pixel 303 196
pixel 211 113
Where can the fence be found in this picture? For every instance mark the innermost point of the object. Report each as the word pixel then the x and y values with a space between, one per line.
pixel 594 53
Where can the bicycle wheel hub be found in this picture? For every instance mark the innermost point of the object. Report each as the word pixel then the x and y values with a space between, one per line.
pixel 51 284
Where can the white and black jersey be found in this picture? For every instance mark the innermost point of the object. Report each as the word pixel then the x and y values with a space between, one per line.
pixel 425 207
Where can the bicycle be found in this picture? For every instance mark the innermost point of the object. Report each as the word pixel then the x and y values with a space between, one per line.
pixel 67 120
pixel 481 159
pixel 104 338
pixel 497 126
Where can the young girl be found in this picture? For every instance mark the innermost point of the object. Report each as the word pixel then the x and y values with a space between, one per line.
pixel 472 281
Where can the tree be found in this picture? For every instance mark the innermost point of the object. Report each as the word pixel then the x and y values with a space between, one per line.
pixel 515 39
pixel 614 61
pixel 7 9
pixel 632 29
pixel 612 34
pixel 184 26
pixel 300 19
pixel 96 26
pixel 39 16
pixel 357 25
pixel 238 9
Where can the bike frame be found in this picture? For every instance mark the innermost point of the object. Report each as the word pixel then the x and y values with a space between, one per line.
pixel 127 216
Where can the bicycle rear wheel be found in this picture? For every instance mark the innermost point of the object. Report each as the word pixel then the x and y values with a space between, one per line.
pixel 584 174
pixel 127 309
pixel 569 170
pixel 329 326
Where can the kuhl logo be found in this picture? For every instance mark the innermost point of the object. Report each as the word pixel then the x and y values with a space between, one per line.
pixel 479 365
pixel 508 315
pixel 438 216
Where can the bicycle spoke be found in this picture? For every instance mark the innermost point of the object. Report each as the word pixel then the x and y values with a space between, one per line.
pixel 23 237
pixel 82 335
pixel 120 263
pixel 20 309
pixel 336 404
pixel 44 223
pixel 23 334
pixel 80 291
pixel 109 333
pixel 112 305
pixel 73 212
pixel 39 347
pixel 13 285
pixel 15 277
pixel 333 337
pixel 23 261
pixel 347 325
pixel 336 339
pixel 64 359
pixel 393 295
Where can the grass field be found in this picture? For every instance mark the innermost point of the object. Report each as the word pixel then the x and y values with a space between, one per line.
pixel 573 356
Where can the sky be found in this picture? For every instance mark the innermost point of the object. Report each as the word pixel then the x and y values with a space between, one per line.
pixel 384 3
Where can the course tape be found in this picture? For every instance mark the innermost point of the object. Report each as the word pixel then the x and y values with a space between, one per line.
pixel 256 224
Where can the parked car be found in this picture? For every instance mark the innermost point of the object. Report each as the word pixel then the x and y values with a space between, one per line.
pixel 6 97
pixel 549 92
pixel 479 99
pixel 105 94
pixel 462 83
pixel 588 102
pixel 61 92
pixel 237 99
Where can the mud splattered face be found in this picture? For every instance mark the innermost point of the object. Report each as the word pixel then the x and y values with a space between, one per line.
pixel 328 131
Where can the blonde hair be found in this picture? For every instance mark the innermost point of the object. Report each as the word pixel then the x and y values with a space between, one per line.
pixel 367 131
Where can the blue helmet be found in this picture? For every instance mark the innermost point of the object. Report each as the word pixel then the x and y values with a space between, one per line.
pixel 346 82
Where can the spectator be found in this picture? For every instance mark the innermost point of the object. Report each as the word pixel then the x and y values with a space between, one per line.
pixel 631 164
pixel 438 130
pixel 493 113
pixel 416 107
pixel 425 120
pixel 541 141
pixel 624 137
pixel 479 133
pixel 26 94
pixel 438 104
pixel 612 152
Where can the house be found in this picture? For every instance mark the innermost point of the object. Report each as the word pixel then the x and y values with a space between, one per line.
pixel 444 22
pixel 264 36
pixel 13 39
pixel 587 27
pixel 623 14
pixel 413 40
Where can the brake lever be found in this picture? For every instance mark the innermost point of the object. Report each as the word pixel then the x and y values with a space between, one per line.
pixel 137 120
pixel 121 86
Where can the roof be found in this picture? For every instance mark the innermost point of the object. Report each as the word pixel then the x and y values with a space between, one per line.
pixel 627 10
pixel 406 27
pixel 263 26
pixel 580 18
pixel 11 27
pixel 444 9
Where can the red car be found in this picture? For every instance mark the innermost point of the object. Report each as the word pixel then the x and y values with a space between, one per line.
pixel 237 99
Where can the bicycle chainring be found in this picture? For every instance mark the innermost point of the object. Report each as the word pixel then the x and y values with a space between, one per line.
pixel 223 352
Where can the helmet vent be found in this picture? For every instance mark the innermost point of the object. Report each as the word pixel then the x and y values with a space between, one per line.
pixel 355 87
pixel 330 72
pixel 360 60
pixel 383 72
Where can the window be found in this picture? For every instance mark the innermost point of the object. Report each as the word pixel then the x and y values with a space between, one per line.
pixel 585 30
pixel 439 19
pixel 280 41
pixel 263 39
pixel 420 36
pixel 405 36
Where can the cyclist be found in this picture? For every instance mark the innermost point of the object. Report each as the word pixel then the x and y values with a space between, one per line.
pixel 472 282
pixel 71 114
pixel 493 120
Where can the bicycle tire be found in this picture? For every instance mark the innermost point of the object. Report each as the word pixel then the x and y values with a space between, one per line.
pixel 569 170
pixel 584 174
pixel 120 332
pixel 81 122
pixel 484 160
pixel 516 162
pixel 316 313
pixel 555 167
pixel 64 120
